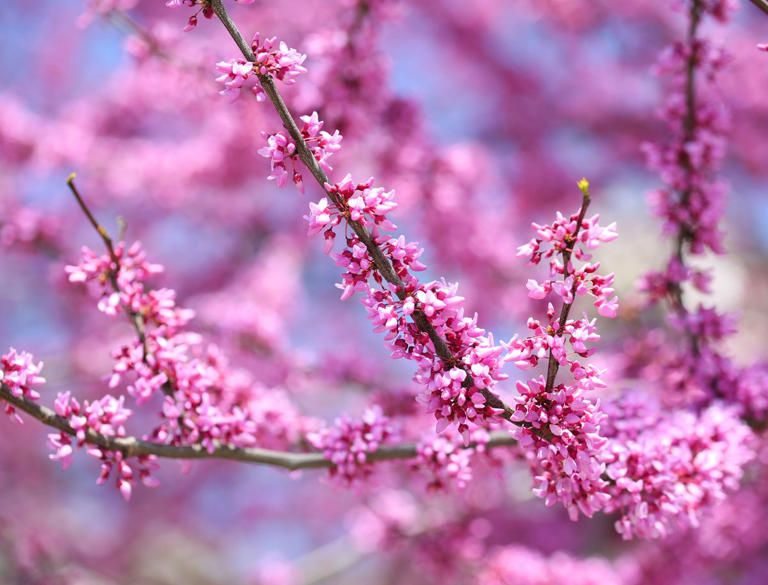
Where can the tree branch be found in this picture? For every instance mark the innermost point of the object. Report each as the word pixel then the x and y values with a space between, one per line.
pixel 133 447
pixel 686 231
pixel 761 4
pixel 383 265
pixel 553 365
pixel 136 319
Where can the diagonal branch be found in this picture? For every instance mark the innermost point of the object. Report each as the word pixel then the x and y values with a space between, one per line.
pixel 761 4
pixel 133 447
pixel 383 265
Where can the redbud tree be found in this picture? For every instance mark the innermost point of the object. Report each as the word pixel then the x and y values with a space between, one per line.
pixel 317 292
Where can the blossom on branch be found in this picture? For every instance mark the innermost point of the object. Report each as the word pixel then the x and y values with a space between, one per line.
pixel 20 374
pixel 275 59
pixel 348 443
pixel 105 416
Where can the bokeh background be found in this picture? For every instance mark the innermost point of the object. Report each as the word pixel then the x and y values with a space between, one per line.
pixel 482 115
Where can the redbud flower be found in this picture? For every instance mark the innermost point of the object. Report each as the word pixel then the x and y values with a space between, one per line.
pixel 20 375
pixel 348 442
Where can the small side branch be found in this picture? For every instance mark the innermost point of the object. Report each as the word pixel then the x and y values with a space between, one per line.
pixel 137 320
pixel 96 225
pixel 552 365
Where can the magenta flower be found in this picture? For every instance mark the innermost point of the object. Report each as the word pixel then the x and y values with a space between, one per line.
pixel 20 375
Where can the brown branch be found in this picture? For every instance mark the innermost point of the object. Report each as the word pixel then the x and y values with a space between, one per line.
pixel 133 447
pixel 686 231
pixel 136 319
pixel 124 22
pixel 96 225
pixel 553 365
pixel 761 4
pixel 383 265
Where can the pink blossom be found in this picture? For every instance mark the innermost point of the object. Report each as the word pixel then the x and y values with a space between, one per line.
pixel 446 461
pixel 19 374
pixel 670 466
pixel 519 565
pixel 281 150
pixel 271 58
pixel 234 74
pixel 348 443
pixel 105 416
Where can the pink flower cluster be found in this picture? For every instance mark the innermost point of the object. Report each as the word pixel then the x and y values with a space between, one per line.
pixel 660 285
pixel 719 9
pixel 205 401
pixel 706 324
pixel 559 423
pixel 206 9
pixel 107 417
pixel 277 60
pixel 551 338
pixel 692 205
pixel 214 404
pixel 20 374
pixel 560 437
pixel 750 390
pixel 681 374
pixel 449 392
pixel 693 200
pixel 368 205
pixel 666 467
pixel 517 565
pixel 27 228
pixel 281 148
pixel 103 8
pixel 120 284
pixel 349 442
pixel 192 21
pixel 447 460
pixel 565 234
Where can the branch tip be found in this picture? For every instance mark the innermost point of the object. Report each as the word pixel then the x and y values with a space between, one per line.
pixel 584 187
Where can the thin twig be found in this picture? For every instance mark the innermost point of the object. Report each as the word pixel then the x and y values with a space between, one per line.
pixel 136 318
pixel 124 22
pixel 133 447
pixel 96 225
pixel 761 4
pixel 685 232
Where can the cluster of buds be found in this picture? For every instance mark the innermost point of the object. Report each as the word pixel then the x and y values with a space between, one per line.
pixel 105 416
pixel 559 423
pixel 349 442
pixel 20 374
pixel 456 390
pixel 205 402
pixel 281 150
pixel 666 467
pixel 275 59
pixel 446 460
